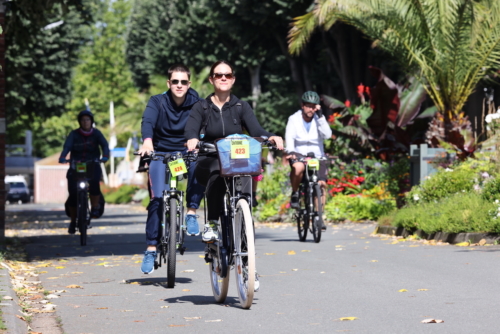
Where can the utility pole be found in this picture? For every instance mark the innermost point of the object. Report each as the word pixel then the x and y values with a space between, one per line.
pixel 3 126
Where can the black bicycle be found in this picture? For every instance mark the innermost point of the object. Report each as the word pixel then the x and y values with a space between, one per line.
pixel 309 216
pixel 84 172
pixel 172 229
pixel 235 248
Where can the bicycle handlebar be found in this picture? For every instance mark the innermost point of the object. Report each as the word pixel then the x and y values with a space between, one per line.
pixel 188 156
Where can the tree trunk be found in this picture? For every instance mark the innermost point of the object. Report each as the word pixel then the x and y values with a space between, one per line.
pixel 255 82
pixel 339 34
pixel 294 66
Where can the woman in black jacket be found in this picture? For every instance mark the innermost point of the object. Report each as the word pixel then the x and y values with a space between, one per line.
pixel 222 114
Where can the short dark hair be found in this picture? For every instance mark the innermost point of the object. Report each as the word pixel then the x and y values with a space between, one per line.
pixel 178 68
pixel 217 63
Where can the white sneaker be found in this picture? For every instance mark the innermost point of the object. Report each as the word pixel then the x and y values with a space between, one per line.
pixel 210 233
pixel 256 284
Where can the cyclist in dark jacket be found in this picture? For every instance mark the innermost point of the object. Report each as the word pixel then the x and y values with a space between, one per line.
pixel 225 115
pixel 85 144
pixel 162 130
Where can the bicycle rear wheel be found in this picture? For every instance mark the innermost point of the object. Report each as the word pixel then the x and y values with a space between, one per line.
pixel 302 218
pixel 82 217
pixel 172 243
pixel 317 214
pixel 244 247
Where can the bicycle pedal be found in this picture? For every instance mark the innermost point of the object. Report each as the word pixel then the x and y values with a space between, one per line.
pixel 182 250
pixel 208 259
pixel 156 265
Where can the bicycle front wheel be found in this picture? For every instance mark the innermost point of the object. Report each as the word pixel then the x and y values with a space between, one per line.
pixel 317 214
pixel 172 243
pixel 82 217
pixel 302 219
pixel 220 285
pixel 244 247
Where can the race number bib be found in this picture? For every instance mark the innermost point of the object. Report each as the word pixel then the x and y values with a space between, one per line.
pixel 313 164
pixel 177 167
pixel 81 167
pixel 240 149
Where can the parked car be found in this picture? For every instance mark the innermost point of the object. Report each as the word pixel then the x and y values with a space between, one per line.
pixel 18 191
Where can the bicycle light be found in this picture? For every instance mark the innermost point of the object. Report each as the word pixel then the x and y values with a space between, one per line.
pixel 82 185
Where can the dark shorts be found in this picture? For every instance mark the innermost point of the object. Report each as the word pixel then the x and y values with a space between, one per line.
pixel 323 166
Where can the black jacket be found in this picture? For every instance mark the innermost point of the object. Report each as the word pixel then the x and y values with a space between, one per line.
pixel 221 123
pixel 163 121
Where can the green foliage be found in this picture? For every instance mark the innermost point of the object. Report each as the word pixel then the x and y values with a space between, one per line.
pixel 457 213
pixel 40 63
pixel 491 190
pixel 120 195
pixel 451 44
pixel 355 208
pixel 460 178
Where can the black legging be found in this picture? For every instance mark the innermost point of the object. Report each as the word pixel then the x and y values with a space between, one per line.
pixel 208 174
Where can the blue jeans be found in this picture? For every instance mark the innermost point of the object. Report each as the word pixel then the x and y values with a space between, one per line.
pixel 194 195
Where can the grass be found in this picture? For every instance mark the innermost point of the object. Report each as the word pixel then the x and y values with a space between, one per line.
pixel 458 213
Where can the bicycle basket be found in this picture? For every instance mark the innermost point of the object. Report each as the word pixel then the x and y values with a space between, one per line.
pixel 239 155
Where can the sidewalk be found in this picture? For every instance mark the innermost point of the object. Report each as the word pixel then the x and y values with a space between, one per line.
pixel 9 305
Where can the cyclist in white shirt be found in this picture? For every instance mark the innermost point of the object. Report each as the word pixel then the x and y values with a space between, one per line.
pixel 305 132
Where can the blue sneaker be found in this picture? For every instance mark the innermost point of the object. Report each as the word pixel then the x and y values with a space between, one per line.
pixel 193 228
pixel 148 262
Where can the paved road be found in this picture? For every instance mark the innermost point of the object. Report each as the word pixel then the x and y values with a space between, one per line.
pixel 304 286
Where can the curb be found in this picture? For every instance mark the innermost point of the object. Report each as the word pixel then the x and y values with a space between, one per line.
pixel 10 308
pixel 452 238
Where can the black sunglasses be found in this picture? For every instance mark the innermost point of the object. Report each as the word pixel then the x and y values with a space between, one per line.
pixel 176 82
pixel 228 76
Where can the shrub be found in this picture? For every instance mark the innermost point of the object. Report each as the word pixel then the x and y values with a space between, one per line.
pixel 356 208
pixel 454 214
pixel 120 195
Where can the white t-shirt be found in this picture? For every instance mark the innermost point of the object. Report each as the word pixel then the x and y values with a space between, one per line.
pixel 299 140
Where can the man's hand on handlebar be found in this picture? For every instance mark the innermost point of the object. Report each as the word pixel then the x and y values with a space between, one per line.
pixel 146 148
pixel 278 141
pixel 191 144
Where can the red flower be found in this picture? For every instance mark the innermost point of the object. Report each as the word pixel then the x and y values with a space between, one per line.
pixel 331 119
pixel 368 92
pixel 347 103
pixel 361 90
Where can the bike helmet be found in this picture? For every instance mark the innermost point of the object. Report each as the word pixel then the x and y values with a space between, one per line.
pixel 86 113
pixel 310 97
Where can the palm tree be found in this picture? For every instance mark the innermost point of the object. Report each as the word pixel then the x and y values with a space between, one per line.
pixel 449 45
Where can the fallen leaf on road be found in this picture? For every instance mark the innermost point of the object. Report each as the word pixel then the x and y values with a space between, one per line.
pixel 51 296
pixel 322 272
pixel 423 290
pixel 217 320
pixel 403 290
pixel 294 269
pixel 134 283
pixel 102 308
pixel 268 253
pixel 138 261
pixel 186 290
pixel 482 242
pixel 44 265
pixel 463 244
pixel 432 321
pixel 102 264
pixel 201 256
pixel 176 325
pixel 60 267
pixel 22 318
pixel 164 306
pixel 74 286
pixel 348 318
pixel 188 271
pixel 8 297
pixel 395 242
pixel 374 261
pixel 291 252
pixel 142 321
pixel 413 245
pixel 127 310
pixel 306 251
pixel 192 318
pixel 52 277
pixel 42 272
pixel 77 272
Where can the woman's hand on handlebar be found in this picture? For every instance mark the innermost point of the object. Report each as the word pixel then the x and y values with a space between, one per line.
pixel 278 141
pixel 146 148
pixel 191 144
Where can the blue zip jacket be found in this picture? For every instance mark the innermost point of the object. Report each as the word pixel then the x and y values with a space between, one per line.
pixel 163 121
pixel 85 146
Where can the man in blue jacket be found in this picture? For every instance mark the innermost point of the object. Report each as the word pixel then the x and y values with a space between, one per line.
pixel 162 131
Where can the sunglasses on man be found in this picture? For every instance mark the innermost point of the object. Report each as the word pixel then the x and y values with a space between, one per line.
pixel 228 76
pixel 176 82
